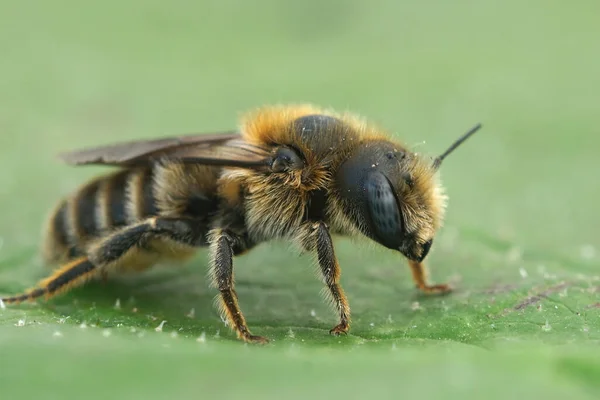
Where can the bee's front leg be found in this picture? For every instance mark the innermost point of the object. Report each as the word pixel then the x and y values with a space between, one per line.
pixel 319 239
pixel 224 244
pixel 420 278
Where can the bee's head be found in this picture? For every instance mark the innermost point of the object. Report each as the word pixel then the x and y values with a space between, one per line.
pixel 394 196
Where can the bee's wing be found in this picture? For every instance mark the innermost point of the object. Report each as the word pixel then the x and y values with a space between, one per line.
pixel 226 149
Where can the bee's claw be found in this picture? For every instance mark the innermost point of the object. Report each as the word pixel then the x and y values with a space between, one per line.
pixel 255 339
pixel 340 329
pixel 435 289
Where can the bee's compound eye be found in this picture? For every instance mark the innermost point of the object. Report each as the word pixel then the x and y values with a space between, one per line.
pixel 383 208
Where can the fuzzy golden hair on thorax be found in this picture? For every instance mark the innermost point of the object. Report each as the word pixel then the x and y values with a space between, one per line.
pixel 269 126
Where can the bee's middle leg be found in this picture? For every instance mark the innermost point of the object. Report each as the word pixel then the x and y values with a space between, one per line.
pixel 331 271
pixel 223 248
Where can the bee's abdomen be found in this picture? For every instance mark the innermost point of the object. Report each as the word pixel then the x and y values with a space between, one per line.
pixel 96 209
pixel 57 238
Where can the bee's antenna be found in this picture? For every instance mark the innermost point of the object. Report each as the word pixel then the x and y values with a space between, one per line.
pixel 438 161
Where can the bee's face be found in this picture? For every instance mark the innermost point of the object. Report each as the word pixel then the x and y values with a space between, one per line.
pixel 395 197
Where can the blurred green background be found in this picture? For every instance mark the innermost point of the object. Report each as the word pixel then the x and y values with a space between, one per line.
pixel 520 241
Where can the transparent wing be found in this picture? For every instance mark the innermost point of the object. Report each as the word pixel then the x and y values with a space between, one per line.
pixel 227 149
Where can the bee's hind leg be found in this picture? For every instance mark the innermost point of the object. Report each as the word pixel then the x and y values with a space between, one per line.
pixel 110 251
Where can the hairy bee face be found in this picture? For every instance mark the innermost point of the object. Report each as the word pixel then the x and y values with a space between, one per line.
pixel 393 197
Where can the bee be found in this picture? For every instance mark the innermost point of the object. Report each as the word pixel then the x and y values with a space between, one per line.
pixel 297 173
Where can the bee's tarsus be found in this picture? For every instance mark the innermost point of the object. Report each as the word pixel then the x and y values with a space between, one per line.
pixel 68 276
pixel 419 275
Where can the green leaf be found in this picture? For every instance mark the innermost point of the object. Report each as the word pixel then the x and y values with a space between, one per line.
pixel 520 242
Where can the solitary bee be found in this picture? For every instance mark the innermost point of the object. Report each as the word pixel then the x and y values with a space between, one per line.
pixel 296 173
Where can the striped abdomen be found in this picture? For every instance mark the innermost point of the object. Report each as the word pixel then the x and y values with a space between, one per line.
pixel 104 204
